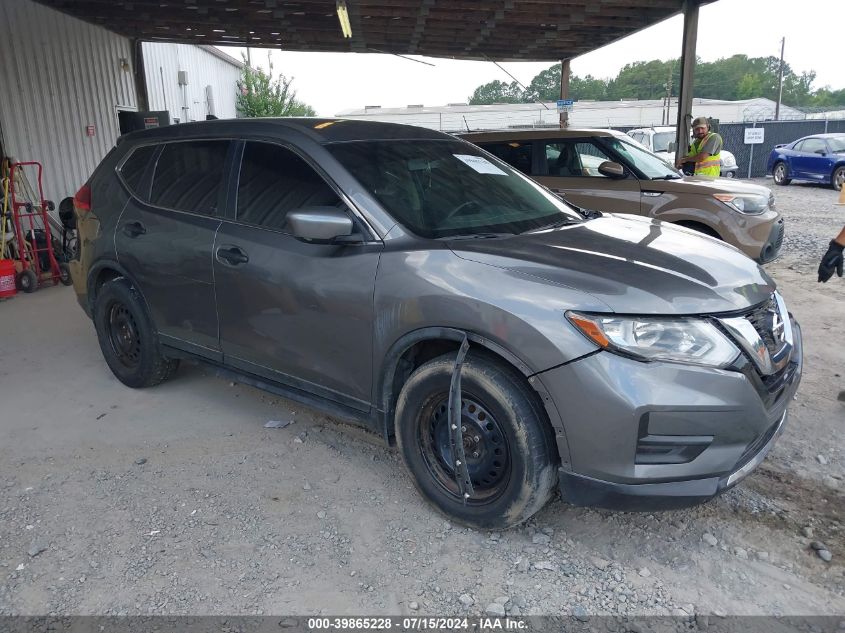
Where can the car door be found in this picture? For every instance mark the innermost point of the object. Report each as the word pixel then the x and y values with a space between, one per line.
pixel 569 167
pixel 810 160
pixel 296 312
pixel 165 235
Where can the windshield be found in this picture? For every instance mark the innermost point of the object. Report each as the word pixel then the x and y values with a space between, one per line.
pixel 651 166
pixel 449 188
pixel 661 141
pixel 837 144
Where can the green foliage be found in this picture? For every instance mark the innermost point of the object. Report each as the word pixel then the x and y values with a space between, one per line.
pixel 734 78
pixel 261 95
pixel 497 92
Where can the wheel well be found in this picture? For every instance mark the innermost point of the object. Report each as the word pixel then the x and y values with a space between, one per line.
pixel 104 275
pixel 701 228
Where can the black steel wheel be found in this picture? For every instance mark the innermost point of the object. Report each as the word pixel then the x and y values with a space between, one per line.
pixel 128 340
pixel 508 441
pixel 124 338
pixel 485 448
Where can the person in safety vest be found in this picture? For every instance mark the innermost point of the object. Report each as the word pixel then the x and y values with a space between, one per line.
pixel 704 151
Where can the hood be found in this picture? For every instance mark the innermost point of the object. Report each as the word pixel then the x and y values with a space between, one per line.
pixel 633 265
pixel 703 184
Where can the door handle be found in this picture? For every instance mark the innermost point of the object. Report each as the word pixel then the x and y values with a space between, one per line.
pixel 134 229
pixel 652 194
pixel 231 256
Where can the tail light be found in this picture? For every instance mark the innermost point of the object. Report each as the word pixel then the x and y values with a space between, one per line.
pixel 82 199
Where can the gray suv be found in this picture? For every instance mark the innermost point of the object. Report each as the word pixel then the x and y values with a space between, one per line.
pixel 405 280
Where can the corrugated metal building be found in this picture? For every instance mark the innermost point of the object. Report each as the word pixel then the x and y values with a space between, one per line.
pixel 63 82
pixel 208 86
pixel 462 117
pixel 58 77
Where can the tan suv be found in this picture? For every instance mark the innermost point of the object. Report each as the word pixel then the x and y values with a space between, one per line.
pixel 607 171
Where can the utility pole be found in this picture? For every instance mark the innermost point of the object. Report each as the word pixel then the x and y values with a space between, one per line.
pixel 669 94
pixel 780 81
pixel 564 91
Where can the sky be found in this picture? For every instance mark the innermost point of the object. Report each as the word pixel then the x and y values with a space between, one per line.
pixel 336 82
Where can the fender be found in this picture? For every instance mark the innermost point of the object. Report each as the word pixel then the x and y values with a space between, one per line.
pixel 95 270
pixel 386 405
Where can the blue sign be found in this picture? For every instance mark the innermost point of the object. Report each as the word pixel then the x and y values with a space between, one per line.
pixel 564 102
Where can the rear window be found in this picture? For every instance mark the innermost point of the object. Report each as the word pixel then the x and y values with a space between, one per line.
pixel 188 176
pixel 133 169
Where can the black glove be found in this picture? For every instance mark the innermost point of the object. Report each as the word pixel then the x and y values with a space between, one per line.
pixel 831 260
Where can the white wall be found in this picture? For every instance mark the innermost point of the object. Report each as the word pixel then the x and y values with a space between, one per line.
pixel 59 75
pixel 162 63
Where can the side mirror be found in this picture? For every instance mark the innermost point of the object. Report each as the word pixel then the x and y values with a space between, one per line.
pixel 319 224
pixel 612 170
pixel 672 147
pixel 821 152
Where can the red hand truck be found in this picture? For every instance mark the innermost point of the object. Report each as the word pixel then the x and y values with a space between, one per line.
pixel 38 262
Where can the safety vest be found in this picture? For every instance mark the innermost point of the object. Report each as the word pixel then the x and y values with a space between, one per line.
pixel 713 165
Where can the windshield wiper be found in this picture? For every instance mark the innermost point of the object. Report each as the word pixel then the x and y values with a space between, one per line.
pixel 560 223
pixel 667 177
pixel 478 236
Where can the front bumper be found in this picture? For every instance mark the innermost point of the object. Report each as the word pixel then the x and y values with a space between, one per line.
pixel 711 428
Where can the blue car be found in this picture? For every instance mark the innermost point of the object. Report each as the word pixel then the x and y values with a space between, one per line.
pixel 817 158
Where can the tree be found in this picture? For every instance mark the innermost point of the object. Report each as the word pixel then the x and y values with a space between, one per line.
pixel 260 94
pixel 736 77
pixel 497 92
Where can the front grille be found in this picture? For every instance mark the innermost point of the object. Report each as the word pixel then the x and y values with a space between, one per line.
pixel 779 238
pixel 760 318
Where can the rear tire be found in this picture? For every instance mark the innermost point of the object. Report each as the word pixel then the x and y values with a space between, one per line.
pixel 780 173
pixel 127 337
pixel 837 178
pixel 509 443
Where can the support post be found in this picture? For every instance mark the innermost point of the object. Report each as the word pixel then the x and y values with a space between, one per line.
pixel 687 74
pixel 139 76
pixel 780 81
pixel 564 90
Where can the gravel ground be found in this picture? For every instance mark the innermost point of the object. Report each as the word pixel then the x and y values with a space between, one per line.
pixel 177 500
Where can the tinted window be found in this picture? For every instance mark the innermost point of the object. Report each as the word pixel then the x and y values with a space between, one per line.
pixel 569 158
pixel 274 181
pixel 134 167
pixel 188 176
pixel 517 155
pixel 448 188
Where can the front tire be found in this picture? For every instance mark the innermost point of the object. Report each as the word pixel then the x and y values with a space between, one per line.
pixel 127 337
pixel 780 173
pixel 837 178
pixel 508 441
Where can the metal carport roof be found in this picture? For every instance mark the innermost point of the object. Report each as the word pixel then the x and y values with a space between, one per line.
pixel 502 30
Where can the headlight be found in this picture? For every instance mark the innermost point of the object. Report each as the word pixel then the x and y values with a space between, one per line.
pixel 682 340
pixel 744 203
